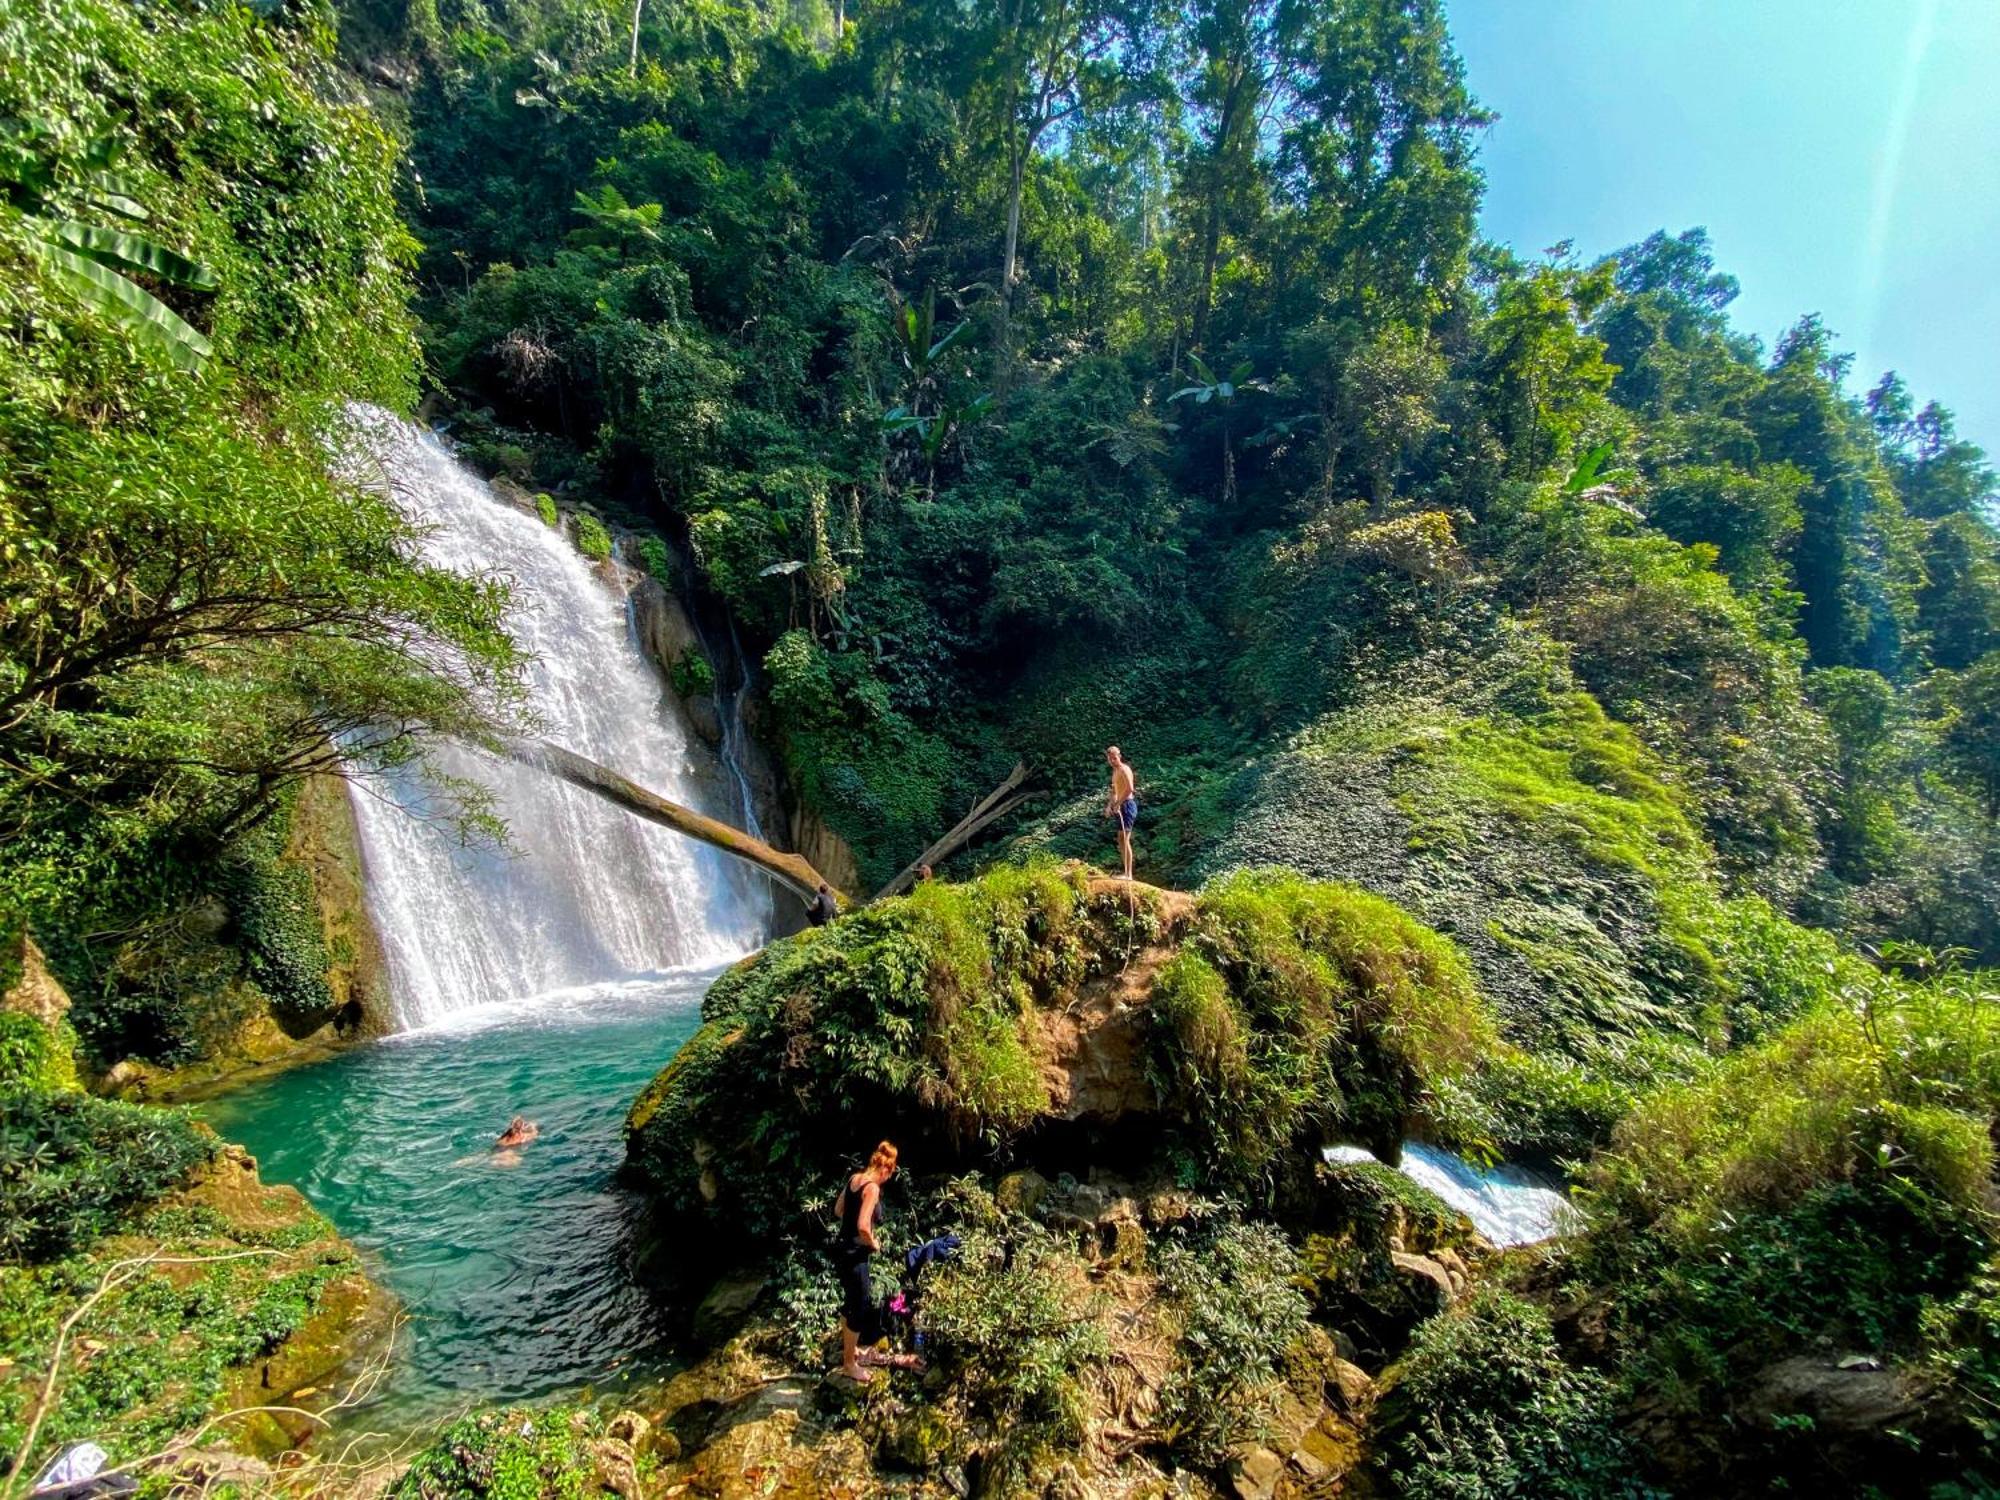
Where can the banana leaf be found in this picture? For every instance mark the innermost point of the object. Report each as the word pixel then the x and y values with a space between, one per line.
pixel 116 247
pixel 148 320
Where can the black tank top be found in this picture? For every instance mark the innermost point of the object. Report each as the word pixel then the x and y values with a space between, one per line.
pixel 850 1216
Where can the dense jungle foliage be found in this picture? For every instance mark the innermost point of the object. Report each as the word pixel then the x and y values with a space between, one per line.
pixel 1030 379
pixel 1582 723
pixel 195 608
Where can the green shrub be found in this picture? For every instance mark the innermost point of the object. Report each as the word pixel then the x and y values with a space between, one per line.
pixel 1826 1186
pixel 1777 970
pixel 877 777
pixel 593 540
pixel 273 905
pixel 545 507
pixel 507 1455
pixel 34 1057
pixel 1014 1329
pixel 170 1340
pixel 71 1167
pixel 693 676
pixel 1483 1405
pixel 658 560
pixel 1551 1106
pixel 1298 1012
pixel 1905 1088
pixel 1234 1289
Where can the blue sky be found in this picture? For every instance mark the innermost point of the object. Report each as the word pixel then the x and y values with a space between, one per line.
pixel 1844 155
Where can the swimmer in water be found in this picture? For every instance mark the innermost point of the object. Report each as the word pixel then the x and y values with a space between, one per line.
pixel 507 1145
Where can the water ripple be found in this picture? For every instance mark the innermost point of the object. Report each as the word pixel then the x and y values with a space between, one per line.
pixel 519 1280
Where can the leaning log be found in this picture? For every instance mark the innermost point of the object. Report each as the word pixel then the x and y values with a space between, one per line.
pixel 789 870
pixel 996 804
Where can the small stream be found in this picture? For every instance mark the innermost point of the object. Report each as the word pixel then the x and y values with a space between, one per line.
pixel 1509 1205
pixel 519 1281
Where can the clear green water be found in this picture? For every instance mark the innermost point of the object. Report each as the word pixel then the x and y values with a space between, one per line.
pixel 519 1281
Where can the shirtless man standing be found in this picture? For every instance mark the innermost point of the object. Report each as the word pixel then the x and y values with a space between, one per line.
pixel 1123 804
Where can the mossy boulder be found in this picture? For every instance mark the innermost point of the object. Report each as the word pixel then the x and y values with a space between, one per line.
pixel 255 1302
pixel 1073 1020
pixel 37 1046
pixel 273 960
pixel 1512 814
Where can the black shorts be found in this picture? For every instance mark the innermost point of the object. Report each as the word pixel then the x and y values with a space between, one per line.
pixel 857 1296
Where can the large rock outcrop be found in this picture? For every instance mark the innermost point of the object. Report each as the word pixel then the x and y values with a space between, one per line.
pixel 1064 1018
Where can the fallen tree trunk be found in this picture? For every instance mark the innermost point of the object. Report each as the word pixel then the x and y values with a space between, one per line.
pixel 997 803
pixel 789 870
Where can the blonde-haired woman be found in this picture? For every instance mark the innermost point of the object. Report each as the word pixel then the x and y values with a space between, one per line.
pixel 860 1319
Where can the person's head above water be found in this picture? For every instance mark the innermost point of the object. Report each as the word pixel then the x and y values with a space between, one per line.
pixel 519 1122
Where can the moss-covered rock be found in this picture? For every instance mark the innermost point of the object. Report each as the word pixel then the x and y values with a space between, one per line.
pixel 225 1294
pixel 37 1045
pixel 272 961
pixel 1063 1016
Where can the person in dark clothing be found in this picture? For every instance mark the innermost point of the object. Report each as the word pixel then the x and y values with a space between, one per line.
pixel 824 908
pixel 860 1319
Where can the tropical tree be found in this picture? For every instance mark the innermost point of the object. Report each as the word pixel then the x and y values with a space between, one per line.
pixel 1972 737
pixel 1223 392
pixel 77 233
pixel 927 411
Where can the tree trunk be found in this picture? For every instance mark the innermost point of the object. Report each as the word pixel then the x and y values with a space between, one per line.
pixel 1210 247
pixel 637 6
pixel 1017 175
pixel 995 804
pixel 789 870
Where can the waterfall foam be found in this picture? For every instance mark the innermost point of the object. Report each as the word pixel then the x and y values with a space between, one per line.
pixel 586 892
pixel 1508 1205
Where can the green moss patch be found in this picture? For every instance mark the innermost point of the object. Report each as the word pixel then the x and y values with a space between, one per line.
pixel 226 1295
pixel 1299 1012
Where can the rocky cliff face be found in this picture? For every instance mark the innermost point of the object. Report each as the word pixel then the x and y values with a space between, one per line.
pixel 278 964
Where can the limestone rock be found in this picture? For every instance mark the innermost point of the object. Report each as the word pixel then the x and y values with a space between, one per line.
pixel 1430 1282
pixel 37 992
pixel 631 1429
pixel 1166 1206
pixel 1854 1402
pixel 1253 1473
pixel 825 850
pixel 1350 1388
pixel 215 1468
pixel 1094 1059
pixel 617 1468
pixel 1124 1244
pixel 766 1444
pixel 1021 1192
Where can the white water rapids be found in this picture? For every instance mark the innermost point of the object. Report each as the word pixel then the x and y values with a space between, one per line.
pixel 586 893
pixel 1506 1204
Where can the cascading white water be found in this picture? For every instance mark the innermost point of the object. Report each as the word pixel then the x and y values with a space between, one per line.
pixel 1506 1204
pixel 586 892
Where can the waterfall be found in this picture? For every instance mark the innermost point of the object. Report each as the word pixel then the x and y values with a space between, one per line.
pixel 1508 1205
pixel 584 892
pixel 729 708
